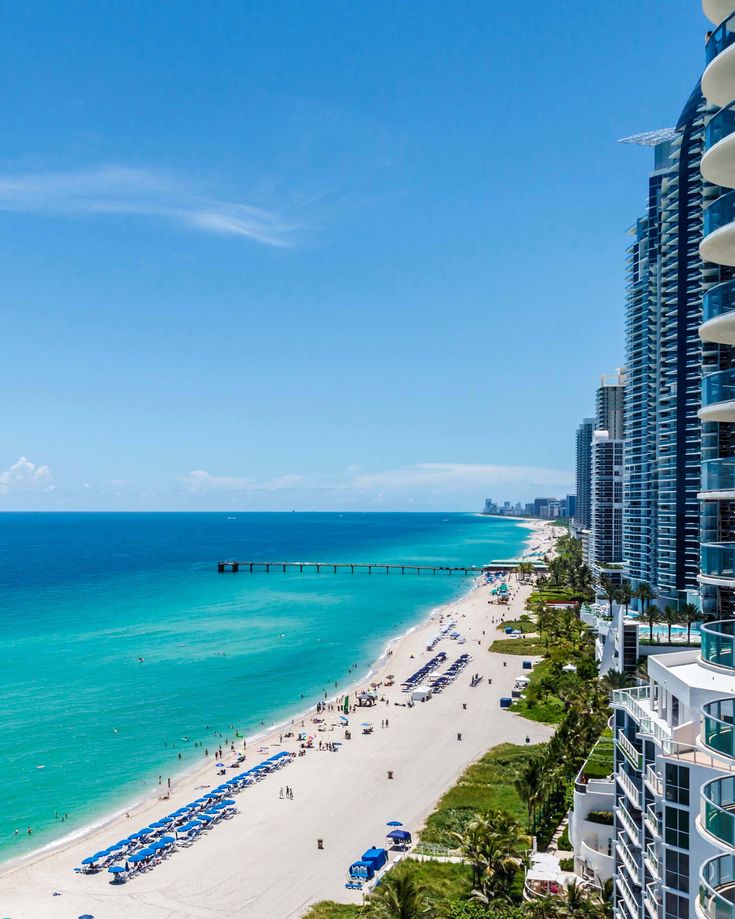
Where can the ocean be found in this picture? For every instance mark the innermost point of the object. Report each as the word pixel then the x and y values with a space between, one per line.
pixel 86 727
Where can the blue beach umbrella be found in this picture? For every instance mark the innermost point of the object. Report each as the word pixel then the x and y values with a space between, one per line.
pixel 220 764
pixel 228 801
pixel 103 854
pixel 167 839
pixel 116 869
pixel 394 823
pixel 89 861
pixel 138 857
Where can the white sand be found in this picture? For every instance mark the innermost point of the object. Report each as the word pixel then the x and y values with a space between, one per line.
pixel 264 863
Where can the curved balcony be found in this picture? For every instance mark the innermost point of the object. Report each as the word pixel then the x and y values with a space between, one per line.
pixel 718 244
pixel 718 79
pixel 717 812
pixel 718 643
pixel 718 160
pixel 717 888
pixel 718 480
pixel 716 10
pixel 718 396
pixel 718 312
pixel 717 727
pixel 717 564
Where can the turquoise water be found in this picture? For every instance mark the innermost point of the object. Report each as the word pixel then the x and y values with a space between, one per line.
pixel 83 596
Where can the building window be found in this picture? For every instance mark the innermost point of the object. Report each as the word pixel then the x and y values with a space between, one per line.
pixel 677 784
pixel 677 870
pixel 676 907
pixel 674 711
pixel 676 827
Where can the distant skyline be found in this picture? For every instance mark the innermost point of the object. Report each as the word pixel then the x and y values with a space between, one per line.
pixel 317 256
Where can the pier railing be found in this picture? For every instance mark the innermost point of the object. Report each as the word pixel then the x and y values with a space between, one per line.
pixel 352 567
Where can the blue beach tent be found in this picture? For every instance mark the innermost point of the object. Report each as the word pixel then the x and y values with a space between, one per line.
pixel 361 869
pixel 376 857
pixel 400 836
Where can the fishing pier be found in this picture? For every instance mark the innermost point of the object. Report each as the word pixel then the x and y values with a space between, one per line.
pixel 352 567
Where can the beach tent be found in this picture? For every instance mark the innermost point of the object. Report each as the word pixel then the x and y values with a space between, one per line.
pixel 376 857
pixel 400 836
pixel 420 694
pixel 361 869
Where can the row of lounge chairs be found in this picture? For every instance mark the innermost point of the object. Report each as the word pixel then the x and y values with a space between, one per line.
pixel 442 633
pixel 450 675
pixel 149 846
pixel 417 677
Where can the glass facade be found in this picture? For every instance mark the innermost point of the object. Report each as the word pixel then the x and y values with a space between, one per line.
pixel 718 809
pixel 717 726
pixel 720 126
pixel 718 560
pixel 718 474
pixel 716 888
pixel 718 643
pixel 719 300
pixel 720 39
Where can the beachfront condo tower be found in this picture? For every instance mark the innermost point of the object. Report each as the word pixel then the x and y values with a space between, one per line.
pixel 606 477
pixel 666 276
pixel 717 329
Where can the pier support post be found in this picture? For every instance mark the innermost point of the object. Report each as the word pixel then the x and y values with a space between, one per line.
pixel 235 567
pixel 220 567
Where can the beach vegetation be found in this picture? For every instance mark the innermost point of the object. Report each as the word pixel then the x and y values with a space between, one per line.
pixel 328 909
pixel 487 785
pixel 400 895
pixel 497 849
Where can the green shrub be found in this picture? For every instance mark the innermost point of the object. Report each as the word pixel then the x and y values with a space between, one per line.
pixel 566 864
pixel 604 817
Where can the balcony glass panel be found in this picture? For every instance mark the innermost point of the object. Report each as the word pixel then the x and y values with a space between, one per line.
pixel 718 809
pixel 719 213
pixel 721 125
pixel 717 888
pixel 717 726
pixel 718 387
pixel 717 559
pixel 718 643
pixel 722 37
pixel 718 474
pixel 719 299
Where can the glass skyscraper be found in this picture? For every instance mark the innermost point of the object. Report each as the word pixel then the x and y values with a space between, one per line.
pixel 666 277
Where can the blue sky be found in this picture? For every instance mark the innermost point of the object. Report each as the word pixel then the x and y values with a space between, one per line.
pixel 317 255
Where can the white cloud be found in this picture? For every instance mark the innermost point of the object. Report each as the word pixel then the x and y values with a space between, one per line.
pixel 449 476
pixel 199 480
pixel 24 476
pixel 146 193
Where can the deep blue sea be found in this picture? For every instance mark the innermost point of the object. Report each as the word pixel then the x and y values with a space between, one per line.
pixel 84 596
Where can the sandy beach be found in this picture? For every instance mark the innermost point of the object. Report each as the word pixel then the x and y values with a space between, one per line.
pixel 264 863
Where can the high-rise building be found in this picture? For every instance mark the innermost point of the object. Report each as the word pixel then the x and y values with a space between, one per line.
pixel 717 563
pixel 570 506
pixel 606 487
pixel 583 443
pixel 663 362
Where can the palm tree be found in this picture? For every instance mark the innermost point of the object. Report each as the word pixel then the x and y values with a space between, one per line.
pixel 645 594
pixel 689 614
pixel 624 595
pixel 652 615
pixel 616 679
pixel 497 848
pixel 670 616
pixel 609 590
pixel 399 897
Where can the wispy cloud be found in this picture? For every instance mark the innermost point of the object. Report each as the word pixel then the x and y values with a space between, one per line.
pixel 24 476
pixel 144 193
pixel 457 475
pixel 199 481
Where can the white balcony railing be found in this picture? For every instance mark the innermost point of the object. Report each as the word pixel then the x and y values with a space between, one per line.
pixel 634 757
pixel 629 787
pixel 627 894
pixel 653 821
pixel 652 861
pixel 653 900
pixel 629 825
pixel 628 859
pixel 653 780
pixel 637 701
